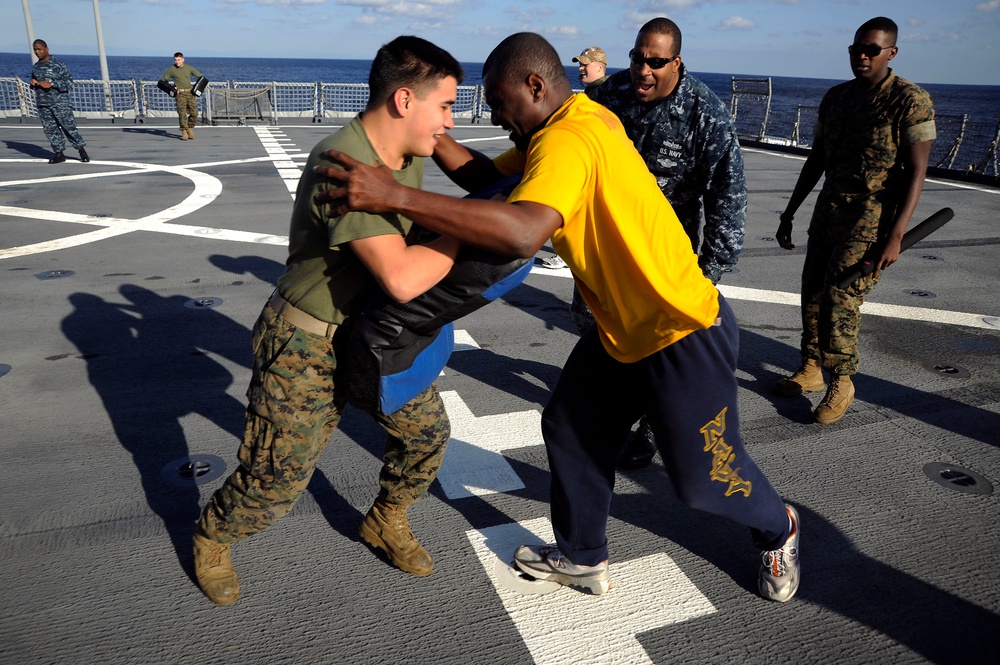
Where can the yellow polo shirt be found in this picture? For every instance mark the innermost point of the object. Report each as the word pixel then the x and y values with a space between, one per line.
pixel 629 254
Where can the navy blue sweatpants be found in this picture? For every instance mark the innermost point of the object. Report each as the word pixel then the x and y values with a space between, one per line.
pixel 688 392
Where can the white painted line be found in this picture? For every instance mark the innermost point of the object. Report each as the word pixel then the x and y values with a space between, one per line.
pixel 760 295
pixel 966 319
pixel 206 189
pixel 287 170
pixel 502 137
pixel 567 626
pixel 951 183
pixel 539 269
pixel 464 341
pixel 473 464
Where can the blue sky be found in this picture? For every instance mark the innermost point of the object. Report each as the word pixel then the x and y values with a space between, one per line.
pixel 941 41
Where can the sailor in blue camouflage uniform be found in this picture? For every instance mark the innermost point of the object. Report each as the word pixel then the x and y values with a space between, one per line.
pixel 51 81
pixel 687 138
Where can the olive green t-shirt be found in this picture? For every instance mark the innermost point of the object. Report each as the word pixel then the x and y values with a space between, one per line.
pixel 181 75
pixel 323 276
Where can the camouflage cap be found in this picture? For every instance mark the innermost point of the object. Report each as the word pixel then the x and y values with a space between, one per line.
pixel 591 54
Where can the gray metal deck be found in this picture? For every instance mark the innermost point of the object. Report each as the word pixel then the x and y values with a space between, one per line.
pixel 128 289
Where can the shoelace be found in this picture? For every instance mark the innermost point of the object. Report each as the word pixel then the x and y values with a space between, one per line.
pixel 775 559
pixel 214 558
pixel 775 562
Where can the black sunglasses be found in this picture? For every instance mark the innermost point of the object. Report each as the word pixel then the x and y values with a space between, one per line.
pixel 654 63
pixel 867 50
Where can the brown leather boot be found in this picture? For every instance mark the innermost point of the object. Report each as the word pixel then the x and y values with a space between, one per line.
pixel 214 569
pixel 839 396
pixel 386 527
pixel 808 379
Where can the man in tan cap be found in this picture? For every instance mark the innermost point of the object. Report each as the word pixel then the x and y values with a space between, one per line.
pixel 593 65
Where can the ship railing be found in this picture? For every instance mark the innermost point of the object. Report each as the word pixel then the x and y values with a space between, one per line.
pixel 483 109
pixel 989 162
pixel 963 146
pixel 345 100
pixel 157 104
pixel 750 106
pixel 950 136
pixel 14 98
pixel 90 99
pixel 805 125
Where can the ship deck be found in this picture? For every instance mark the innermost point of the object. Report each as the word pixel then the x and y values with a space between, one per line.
pixel 131 284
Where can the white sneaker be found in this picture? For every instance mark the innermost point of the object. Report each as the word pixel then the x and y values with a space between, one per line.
pixel 546 562
pixel 779 574
pixel 553 262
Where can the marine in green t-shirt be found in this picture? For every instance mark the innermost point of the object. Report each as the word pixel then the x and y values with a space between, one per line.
pixel 187 105
pixel 336 262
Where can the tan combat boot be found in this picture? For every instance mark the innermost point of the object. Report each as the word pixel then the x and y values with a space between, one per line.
pixel 809 379
pixel 191 133
pixel 184 135
pixel 214 569
pixel 839 396
pixel 386 527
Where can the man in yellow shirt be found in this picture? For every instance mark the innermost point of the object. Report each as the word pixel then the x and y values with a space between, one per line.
pixel 665 338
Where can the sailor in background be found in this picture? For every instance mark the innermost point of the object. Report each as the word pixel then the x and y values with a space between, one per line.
pixel 51 81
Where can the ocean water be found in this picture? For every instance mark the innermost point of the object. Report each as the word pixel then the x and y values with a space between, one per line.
pixel 980 102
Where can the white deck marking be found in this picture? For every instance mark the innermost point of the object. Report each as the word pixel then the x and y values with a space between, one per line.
pixel 568 626
pixel 208 188
pixel 464 341
pixel 966 319
pixel 473 464
pixel 287 170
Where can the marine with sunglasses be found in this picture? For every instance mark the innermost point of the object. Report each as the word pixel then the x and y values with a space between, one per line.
pixel 688 141
pixel 872 142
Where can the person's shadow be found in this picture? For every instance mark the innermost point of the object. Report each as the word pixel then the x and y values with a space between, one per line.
pixel 152 362
pixel 29 149
pixel 940 626
pixel 154 132
pixel 933 408
pixel 149 362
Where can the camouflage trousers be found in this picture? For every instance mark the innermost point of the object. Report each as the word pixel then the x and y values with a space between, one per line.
pixel 56 121
pixel 294 406
pixel 187 109
pixel 831 317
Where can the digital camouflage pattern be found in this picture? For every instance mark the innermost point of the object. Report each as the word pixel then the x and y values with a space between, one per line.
pixel 54 109
pixel 689 143
pixel 187 109
pixel 831 317
pixel 862 132
pixel 58 121
pixel 57 73
pixel 294 407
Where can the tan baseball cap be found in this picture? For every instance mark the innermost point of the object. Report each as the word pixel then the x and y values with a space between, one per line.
pixel 591 54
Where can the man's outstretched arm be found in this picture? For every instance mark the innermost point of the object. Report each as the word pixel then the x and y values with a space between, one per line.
pixel 510 229
pixel 469 169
